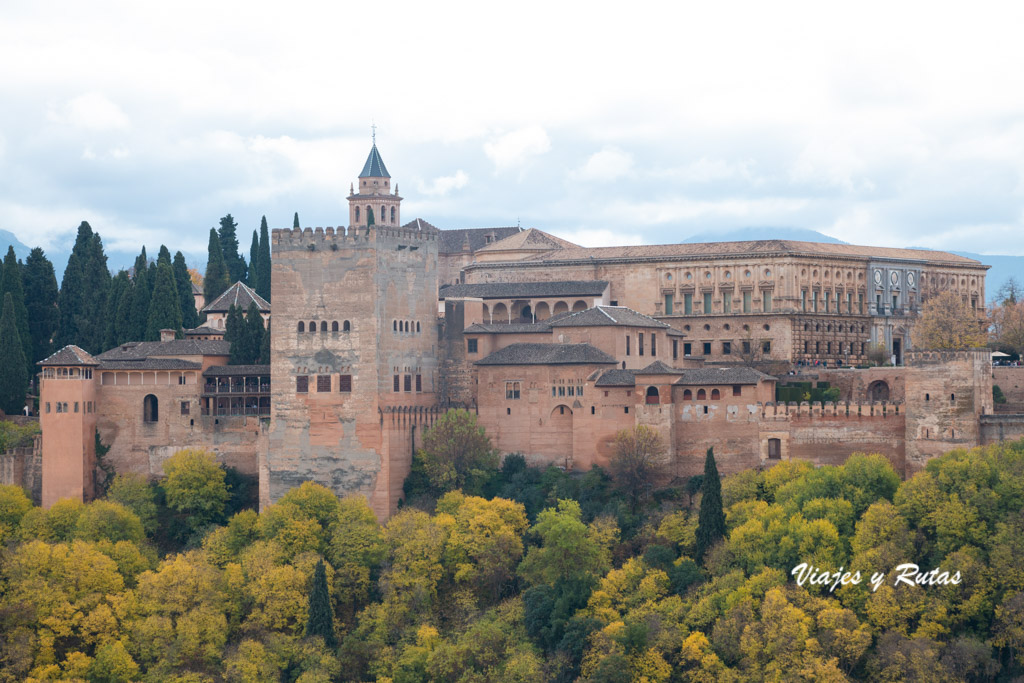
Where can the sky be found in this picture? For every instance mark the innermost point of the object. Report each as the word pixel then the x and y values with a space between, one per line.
pixel 891 124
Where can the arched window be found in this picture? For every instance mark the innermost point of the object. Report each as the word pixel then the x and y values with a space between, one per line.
pixel 652 395
pixel 952 398
pixel 417 327
pixel 302 326
pixel 687 395
pixel 702 395
pixel 715 395
pixel 323 325
pixel 357 214
pixel 334 326
pixel 406 325
pixel 312 326
pixel 392 214
pixel 150 409
pixel 346 326
pixel 394 326
pixel 527 313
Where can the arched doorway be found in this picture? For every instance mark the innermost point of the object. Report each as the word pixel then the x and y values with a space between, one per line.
pixel 555 439
pixel 500 314
pixel 652 396
pixel 527 313
pixel 878 391
pixel 150 409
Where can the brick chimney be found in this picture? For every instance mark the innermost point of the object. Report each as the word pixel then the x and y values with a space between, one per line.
pixel 167 335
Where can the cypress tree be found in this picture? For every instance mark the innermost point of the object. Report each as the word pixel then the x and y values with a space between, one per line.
pixel 236 331
pixel 264 358
pixel 369 217
pixel 262 285
pixel 295 221
pixel 97 277
pixel 320 621
pixel 187 301
pixel 12 284
pixel 229 249
pixel 141 297
pixel 254 260
pixel 123 326
pixel 41 301
pixel 13 373
pixel 165 306
pixel 215 282
pixel 164 256
pixel 83 293
pixel 711 520
pixel 117 287
pixel 254 334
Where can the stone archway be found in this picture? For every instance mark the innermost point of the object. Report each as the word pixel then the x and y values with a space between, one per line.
pixel 878 391
pixel 543 311
pixel 555 440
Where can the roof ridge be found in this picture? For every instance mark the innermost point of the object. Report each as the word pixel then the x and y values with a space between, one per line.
pixel 601 308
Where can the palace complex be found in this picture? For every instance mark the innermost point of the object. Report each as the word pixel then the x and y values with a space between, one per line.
pixel 380 326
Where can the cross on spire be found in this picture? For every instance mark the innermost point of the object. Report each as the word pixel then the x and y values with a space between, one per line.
pixel 374 127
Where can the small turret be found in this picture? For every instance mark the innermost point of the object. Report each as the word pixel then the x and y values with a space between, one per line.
pixel 375 196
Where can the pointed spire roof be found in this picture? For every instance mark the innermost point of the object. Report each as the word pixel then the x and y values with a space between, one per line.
pixel 374 167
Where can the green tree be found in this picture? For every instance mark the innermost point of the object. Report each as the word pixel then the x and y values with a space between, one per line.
pixel 457 453
pixel 254 260
pixel 636 461
pixel 183 284
pixel 569 548
pixel 141 298
pixel 229 249
pixel 165 305
pixel 13 373
pixel 13 506
pixel 369 217
pixel 236 332
pixel 41 302
pixel 104 520
pixel 13 284
pixel 123 327
pixel 264 358
pixel 118 285
pixel 195 486
pixel 163 256
pixel 711 520
pixel 254 334
pixel 217 277
pixel 295 221
pixel 321 620
pixel 262 285
pixel 83 293
pixel 136 494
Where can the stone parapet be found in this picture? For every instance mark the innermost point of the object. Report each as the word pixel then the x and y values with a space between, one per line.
pixel 325 238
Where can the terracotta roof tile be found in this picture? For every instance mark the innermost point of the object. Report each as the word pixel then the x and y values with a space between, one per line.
pixel 238 294
pixel 70 355
pixel 547 354
pixel 525 290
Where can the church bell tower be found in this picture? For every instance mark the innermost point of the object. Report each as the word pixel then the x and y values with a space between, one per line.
pixel 374 202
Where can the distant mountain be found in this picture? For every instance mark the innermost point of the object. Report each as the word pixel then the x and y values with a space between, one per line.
pixel 763 233
pixel 7 239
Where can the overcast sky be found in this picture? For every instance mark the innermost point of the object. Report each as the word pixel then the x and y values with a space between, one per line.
pixel 606 123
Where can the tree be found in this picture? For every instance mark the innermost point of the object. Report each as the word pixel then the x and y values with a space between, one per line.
pixel 13 284
pixel 569 549
pixel 253 334
pixel 83 293
pixel 321 619
pixel 947 322
pixel 142 296
pixel 254 260
pixel 1010 292
pixel 163 256
pixel 264 358
pixel 1007 330
pixel 14 504
pixel 41 303
pixel 165 306
pixel 295 221
pixel 229 249
pixel 236 332
pixel 13 375
pixel 457 453
pixel 123 327
pixel 636 461
pixel 136 494
pixel 195 486
pixel 711 520
pixel 118 285
pixel 183 284
pixel 216 279
pixel 369 217
pixel 263 282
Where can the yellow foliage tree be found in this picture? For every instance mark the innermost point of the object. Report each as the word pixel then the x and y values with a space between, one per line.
pixel 948 322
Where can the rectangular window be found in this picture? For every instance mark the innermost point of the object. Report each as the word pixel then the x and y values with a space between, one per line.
pixel 849 302
pixel 878 304
pixel 408 383
pixel 302 384
pixel 860 303
pixel 579 389
pixel 419 383
pixel 726 302
pixel 826 301
pixel 59 410
pixel 746 347
pixel 345 383
pixel 76 406
pixel 571 390
pixel 640 343
pixel 668 304
pixel 471 346
pixel 817 347
pixel 707 348
pixel 687 348
pixel 828 347
pixel 185 408
pixel 707 303
pixel 654 344
pixel 398 383
pixel 323 383
pixel 766 301
pixel 675 349
pixel 561 391
pixel 766 347
pixel 737 390
pixel 746 302
pixel 814 301
pixel 688 304
pixel 627 344
pixel 803 300
pixel 47 406
pixel 554 391
pixel 181 379
pixel 512 391
pixel 726 348
pixel 895 302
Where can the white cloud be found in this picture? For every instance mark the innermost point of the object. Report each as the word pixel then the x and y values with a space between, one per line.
pixel 774 210
pixel 444 184
pixel 517 147
pixel 608 164
pixel 92 111
pixel 705 170
pixel 599 237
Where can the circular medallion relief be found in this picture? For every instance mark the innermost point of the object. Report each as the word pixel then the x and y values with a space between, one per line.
pixel 894 278
pixel 878 277
pixel 910 279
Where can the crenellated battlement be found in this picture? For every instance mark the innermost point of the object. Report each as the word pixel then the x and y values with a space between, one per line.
pixel 941 356
pixel 314 239
pixel 784 412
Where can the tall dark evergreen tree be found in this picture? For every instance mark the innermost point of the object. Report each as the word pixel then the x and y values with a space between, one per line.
pixel 254 333
pixel 13 372
pixel 228 236
pixel 165 306
pixel 254 260
pixel 12 283
pixel 320 621
pixel 118 285
pixel 187 301
pixel 216 279
pixel 264 358
pixel 73 295
pixel 123 326
pixel 295 221
pixel 41 301
pixel 369 217
pixel 262 285
pixel 711 519
pixel 235 331
pixel 164 256
pixel 141 297
pixel 97 277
